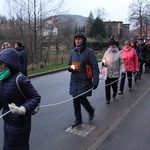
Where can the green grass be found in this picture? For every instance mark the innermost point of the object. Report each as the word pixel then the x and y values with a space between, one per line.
pixel 34 70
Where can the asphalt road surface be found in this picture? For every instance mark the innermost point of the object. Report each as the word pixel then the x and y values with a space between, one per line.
pixel 50 127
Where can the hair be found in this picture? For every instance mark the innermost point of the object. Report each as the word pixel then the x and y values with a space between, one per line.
pixel 112 37
pixel 19 43
pixel 81 35
pixel 6 45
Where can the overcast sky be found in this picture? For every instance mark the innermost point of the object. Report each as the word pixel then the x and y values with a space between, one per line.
pixel 117 9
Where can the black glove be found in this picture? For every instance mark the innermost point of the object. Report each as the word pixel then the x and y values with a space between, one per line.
pixel 70 69
pixel 103 64
pixel 123 74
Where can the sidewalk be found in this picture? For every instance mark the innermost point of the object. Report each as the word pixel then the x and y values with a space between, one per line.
pixel 132 130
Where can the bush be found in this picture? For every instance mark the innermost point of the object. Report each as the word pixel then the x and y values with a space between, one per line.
pixel 97 46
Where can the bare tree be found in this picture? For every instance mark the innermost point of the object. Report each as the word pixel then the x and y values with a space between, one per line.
pixel 138 13
pixel 101 13
pixel 29 17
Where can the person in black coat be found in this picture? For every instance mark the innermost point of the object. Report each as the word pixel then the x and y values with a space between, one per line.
pixel 23 59
pixel 17 123
pixel 143 54
pixel 80 83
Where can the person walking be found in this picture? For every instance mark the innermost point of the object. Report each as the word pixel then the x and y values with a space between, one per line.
pixel 112 59
pixel 131 65
pixel 17 123
pixel 112 38
pixel 142 56
pixel 22 57
pixel 5 45
pixel 79 82
pixel 133 44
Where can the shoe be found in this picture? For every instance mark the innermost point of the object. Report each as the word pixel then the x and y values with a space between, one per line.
pixel 114 95
pixel 139 78
pixel 76 123
pixel 107 102
pixel 91 116
pixel 129 89
pixel 120 92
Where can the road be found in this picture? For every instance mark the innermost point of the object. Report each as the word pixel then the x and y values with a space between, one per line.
pixel 50 124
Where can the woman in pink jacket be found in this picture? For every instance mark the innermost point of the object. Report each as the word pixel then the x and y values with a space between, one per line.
pixel 131 65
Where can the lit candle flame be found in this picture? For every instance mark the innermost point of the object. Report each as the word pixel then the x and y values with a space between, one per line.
pixel 73 67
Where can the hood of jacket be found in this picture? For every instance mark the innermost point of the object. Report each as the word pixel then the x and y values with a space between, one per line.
pixel 10 58
pixel 84 45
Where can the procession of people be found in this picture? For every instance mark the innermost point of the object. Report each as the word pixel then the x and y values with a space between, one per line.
pixel 131 60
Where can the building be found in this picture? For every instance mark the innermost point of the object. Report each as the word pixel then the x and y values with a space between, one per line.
pixel 118 29
pixel 145 32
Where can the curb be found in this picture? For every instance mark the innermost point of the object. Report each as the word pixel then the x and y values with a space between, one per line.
pixel 49 72
pixel 46 73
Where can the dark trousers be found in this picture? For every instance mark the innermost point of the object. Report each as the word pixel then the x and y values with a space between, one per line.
pixel 123 77
pixel 141 68
pixel 108 83
pixel 77 107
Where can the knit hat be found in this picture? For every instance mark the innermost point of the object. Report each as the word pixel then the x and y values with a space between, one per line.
pixel 112 42
pixel 126 42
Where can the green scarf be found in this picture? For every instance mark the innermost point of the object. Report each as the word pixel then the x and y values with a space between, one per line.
pixel 5 74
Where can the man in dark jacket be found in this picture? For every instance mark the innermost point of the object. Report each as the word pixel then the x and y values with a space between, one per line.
pixel 22 57
pixel 17 123
pixel 80 84
pixel 143 54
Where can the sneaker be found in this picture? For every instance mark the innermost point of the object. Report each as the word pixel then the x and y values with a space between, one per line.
pixel 114 95
pixel 120 92
pixel 91 116
pixel 107 102
pixel 76 124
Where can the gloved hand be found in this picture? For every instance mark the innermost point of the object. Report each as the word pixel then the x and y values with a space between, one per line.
pixel 36 110
pixel 103 64
pixel 17 110
pixel 70 69
pixel 123 74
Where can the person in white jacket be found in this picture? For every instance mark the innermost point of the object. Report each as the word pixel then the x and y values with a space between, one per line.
pixel 112 59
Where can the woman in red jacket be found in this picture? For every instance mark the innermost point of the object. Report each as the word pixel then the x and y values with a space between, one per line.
pixel 131 65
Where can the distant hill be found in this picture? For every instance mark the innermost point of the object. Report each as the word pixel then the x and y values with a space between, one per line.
pixel 79 20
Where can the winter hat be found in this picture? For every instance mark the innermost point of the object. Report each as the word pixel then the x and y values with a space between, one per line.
pixel 112 42
pixel 126 42
pixel 133 40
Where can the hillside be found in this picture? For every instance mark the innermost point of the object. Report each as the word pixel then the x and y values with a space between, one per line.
pixel 78 20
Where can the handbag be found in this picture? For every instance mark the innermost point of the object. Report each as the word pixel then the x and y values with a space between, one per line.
pixel 103 72
pixel 88 67
pixel 17 83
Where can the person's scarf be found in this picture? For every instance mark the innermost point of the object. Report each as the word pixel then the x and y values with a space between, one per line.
pixel 5 74
pixel 113 49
